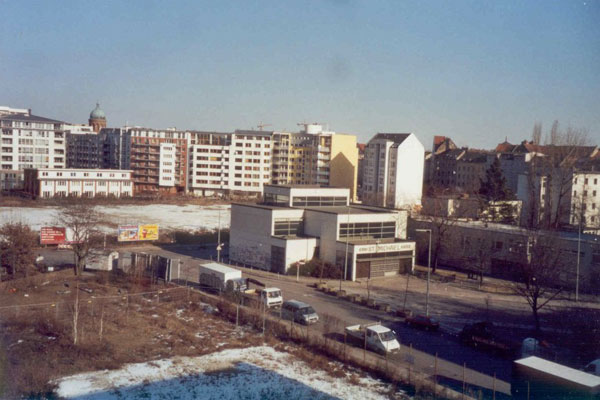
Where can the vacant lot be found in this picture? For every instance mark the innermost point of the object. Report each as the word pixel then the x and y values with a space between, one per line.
pixel 58 329
pixel 54 325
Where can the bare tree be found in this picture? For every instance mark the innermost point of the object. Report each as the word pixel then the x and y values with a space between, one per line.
pixel 441 220
pixel 480 258
pixel 75 313
pixel 17 242
pixel 536 135
pixel 82 220
pixel 552 168
pixel 540 279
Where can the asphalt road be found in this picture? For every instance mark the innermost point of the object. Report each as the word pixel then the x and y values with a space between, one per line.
pixel 418 347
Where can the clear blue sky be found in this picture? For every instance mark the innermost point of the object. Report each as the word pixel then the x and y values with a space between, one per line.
pixel 473 70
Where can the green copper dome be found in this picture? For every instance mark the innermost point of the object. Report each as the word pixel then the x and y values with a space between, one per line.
pixel 97 113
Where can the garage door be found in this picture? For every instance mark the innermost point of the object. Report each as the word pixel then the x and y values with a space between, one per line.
pixel 363 269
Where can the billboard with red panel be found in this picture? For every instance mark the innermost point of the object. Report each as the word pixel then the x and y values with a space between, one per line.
pixel 53 235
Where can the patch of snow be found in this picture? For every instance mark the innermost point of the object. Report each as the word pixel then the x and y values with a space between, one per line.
pixel 167 216
pixel 251 373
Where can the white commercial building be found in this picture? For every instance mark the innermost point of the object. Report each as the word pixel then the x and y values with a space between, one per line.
pixel 29 141
pixel 296 223
pixel 393 170
pixel 52 182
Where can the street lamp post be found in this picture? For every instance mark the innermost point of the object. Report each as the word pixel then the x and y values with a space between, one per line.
pixel 428 270
pixel 578 257
pixel 343 276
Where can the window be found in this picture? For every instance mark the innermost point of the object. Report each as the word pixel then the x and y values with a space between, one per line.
pixel 288 227
pixel 318 201
pixel 371 230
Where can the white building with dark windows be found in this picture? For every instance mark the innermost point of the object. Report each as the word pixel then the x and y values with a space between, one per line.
pixel 295 223
pixel 229 162
pixel 30 141
pixel 393 170
pixel 52 182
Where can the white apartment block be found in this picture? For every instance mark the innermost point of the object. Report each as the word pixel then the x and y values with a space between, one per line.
pixel 229 162
pixel 393 171
pixel 52 182
pixel 245 161
pixel 584 199
pixel 166 173
pixel 30 141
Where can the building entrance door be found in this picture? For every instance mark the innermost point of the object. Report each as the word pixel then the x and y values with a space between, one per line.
pixel 363 269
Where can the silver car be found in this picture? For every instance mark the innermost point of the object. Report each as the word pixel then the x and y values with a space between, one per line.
pixel 299 312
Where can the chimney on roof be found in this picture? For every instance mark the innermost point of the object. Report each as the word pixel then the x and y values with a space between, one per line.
pixel 29 111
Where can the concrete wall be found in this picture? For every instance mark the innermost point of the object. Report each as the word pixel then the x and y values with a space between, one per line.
pixel 409 173
pixel 250 236
pixel 324 226
pixel 299 249
pixel 343 167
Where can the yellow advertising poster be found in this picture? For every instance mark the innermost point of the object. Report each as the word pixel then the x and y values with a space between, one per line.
pixel 148 232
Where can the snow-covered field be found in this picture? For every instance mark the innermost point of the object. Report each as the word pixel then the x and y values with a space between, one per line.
pixel 251 373
pixel 167 216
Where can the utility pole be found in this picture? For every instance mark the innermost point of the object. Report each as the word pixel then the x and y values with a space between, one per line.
pixel 343 276
pixel 428 270
pixel 578 250
pixel 219 238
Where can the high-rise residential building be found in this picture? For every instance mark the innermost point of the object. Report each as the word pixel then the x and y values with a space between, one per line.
pixel 393 171
pixel 229 163
pixel 158 159
pixel 244 161
pixel 108 149
pixel 30 141
pixel 315 156
pixel 361 168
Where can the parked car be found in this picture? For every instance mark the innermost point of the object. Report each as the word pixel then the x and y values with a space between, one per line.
pixel 299 312
pixel 423 322
pixel 375 337
pixel 485 335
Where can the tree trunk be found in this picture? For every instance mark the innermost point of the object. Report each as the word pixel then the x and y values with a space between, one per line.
pixel 75 266
pixel 536 316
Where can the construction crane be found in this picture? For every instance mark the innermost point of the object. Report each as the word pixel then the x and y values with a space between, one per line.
pixel 260 126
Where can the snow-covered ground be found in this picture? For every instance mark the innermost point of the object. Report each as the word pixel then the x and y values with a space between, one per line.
pixel 251 373
pixel 167 216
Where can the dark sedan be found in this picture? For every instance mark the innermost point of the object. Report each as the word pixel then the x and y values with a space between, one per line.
pixel 423 322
